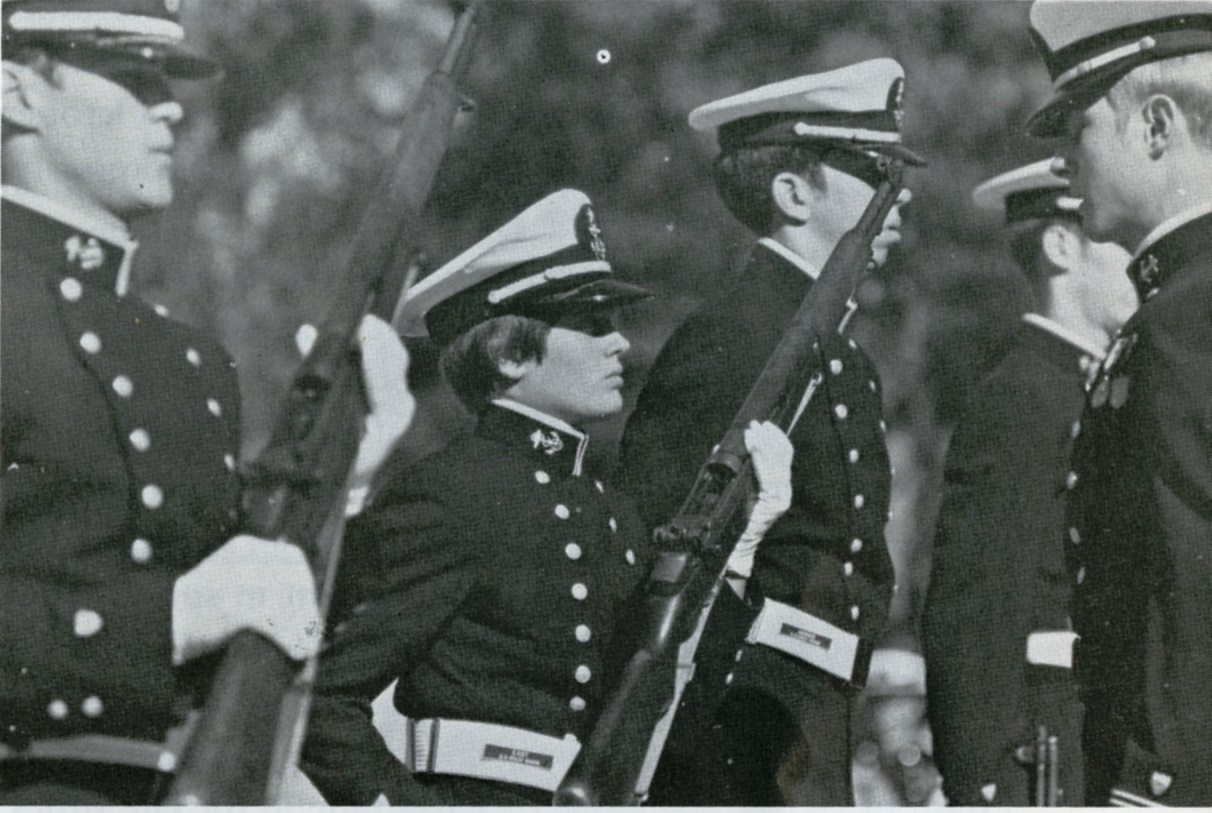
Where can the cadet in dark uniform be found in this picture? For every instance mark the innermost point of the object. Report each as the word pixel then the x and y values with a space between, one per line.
pixel 494 579
pixel 1133 98
pixel 121 562
pixel 996 630
pixel 798 163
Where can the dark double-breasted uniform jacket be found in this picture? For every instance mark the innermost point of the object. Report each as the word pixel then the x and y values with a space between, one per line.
pixel 118 458
pixel 748 706
pixel 1140 538
pixel 998 575
pixel 492 579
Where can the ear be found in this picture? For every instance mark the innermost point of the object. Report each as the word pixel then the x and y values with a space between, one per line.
pixel 22 85
pixel 1059 245
pixel 1161 118
pixel 515 371
pixel 792 197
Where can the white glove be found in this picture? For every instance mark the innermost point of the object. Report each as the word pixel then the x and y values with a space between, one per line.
pixel 392 405
pixel 771 453
pixel 249 583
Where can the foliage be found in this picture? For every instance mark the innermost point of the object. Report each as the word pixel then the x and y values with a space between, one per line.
pixel 278 153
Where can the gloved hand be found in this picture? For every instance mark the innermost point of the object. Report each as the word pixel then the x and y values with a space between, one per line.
pixel 392 405
pixel 248 583
pixel 771 453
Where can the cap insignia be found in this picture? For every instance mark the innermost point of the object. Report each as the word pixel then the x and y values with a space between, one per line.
pixel 896 101
pixel 172 6
pixel 587 220
pixel 550 443
pixel 87 256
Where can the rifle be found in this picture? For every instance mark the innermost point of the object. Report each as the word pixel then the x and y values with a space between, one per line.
pixel 297 484
pixel 1044 759
pixel 694 546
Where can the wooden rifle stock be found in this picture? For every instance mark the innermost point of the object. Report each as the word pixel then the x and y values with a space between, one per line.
pixel 695 545
pixel 297 485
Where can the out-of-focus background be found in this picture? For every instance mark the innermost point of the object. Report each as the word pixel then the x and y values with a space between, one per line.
pixel 276 158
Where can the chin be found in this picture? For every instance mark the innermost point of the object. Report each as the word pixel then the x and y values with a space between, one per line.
pixel 611 405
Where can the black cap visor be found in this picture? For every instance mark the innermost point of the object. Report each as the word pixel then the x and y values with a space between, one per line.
pixel 1052 120
pixel 896 151
pixel 101 54
pixel 602 294
pixel 447 320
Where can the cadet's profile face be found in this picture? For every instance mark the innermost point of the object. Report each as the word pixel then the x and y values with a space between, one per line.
pixel 1098 166
pixel 890 236
pixel 580 377
pixel 103 146
pixel 846 198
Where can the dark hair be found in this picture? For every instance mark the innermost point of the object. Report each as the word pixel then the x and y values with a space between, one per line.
pixel 743 177
pixel 471 363
pixel 35 57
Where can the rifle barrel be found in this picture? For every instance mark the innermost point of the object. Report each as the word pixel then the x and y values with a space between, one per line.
pixel 693 549
pixel 299 480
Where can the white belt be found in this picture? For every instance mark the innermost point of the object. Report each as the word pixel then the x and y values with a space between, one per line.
pixel 489 751
pixel 812 640
pixel 1051 648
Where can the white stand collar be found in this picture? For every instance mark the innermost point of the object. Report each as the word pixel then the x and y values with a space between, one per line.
pixel 1171 224
pixel 1082 343
pixel 790 256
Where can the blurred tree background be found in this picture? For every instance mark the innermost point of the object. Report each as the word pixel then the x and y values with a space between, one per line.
pixel 277 156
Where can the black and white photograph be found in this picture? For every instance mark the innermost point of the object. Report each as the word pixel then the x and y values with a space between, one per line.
pixel 605 403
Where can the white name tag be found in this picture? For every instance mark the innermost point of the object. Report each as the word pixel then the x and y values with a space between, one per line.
pixel 1051 648
pixel 804 636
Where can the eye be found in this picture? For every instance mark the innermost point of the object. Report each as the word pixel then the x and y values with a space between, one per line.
pixel 149 87
pixel 592 323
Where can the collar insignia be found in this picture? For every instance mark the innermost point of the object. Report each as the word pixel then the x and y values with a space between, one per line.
pixel 549 442
pixel 86 256
pixel 1146 275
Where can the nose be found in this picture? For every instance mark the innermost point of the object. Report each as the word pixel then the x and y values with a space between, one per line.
pixel 904 197
pixel 170 112
pixel 1060 167
pixel 616 344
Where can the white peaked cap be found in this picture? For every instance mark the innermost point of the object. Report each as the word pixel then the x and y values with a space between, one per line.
pixel 858 105
pixel 1031 191
pixel 551 255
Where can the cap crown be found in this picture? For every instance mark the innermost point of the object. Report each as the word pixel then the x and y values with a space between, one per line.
pixel 550 255
pixel 1088 45
pixel 146 30
pixel 858 105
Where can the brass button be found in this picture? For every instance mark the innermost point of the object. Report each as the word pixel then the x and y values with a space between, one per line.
pixel 140 440
pixel 71 289
pixel 152 496
pixel 141 551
